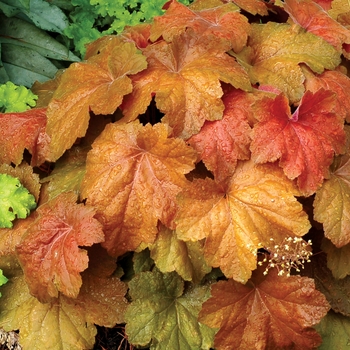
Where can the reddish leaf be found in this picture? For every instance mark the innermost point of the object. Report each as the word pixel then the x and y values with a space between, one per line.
pixel 314 19
pixel 20 131
pixel 271 312
pixel 133 175
pixel 334 81
pixel 222 22
pixel 305 142
pixel 185 77
pixel 97 85
pixel 221 143
pixel 256 205
pixel 49 251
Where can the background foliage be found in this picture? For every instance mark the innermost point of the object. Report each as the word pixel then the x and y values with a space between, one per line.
pixel 183 171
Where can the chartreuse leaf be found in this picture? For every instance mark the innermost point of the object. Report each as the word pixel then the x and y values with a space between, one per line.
pixel 335 331
pixel 274 52
pixel 258 315
pixel 98 85
pixel 256 204
pixel 15 98
pixel 185 76
pixel 164 315
pixel 133 174
pixel 186 258
pixel 15 200
pixel 50 252
pixel 3 279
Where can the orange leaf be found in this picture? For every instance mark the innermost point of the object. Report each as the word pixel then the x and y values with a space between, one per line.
pixel 49 251
pixel 237 218
pixel 20 131
pixel 334 81
pixel 133 175
pixel 305 142
pixel 223 22
pixel 221 143
pixel 314 19
pixel 258 315
pixel 185 77
pixel 97 85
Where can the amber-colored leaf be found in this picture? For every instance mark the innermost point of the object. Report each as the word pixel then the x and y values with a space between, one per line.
pixel 335 81
pixel 332 203
pixel 312 17
pixel 97 85
pixel 20 131
pixel 255 7
pixel 338 8
pixel 305 142
pixel 133 175
pixel 139 34
pixel 338 259
pixel 49 251
pixel 62 323
pixel 257 204
pixel 11 237
pixel 222 22
pixel 221 143
pixel 185 76
pixel 258 315
pixel 186 258
pixel 275 52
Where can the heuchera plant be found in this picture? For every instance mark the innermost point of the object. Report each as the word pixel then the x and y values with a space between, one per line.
pixel 185 172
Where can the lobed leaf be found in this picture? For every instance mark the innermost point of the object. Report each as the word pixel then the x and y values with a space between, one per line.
pixel 335 81
pixel 275 52
pixel 15 201
pixel 222 22
pixel 186 258
pixel 221 143
pixel 257 204
pixel 312 17
pixel 305 142
pixel 338 259
pixel 49 251
pixel 184 76
pixel 133 174
pixel 164 315
pixel 22 131
pixel 335 331
pixel 98 85
pixel 69 322
pixel 257 315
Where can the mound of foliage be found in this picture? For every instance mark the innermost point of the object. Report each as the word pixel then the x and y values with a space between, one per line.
pixel 184 174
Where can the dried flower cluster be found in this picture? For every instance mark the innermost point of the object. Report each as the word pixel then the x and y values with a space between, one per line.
pixel 292 253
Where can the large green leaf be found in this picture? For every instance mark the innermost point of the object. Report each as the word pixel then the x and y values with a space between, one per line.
pixel 164 315
pixel 22 33
pixel 47 16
